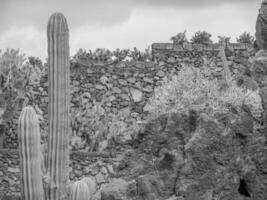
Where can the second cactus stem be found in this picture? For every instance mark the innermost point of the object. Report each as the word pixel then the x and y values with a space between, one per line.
pixel 30 155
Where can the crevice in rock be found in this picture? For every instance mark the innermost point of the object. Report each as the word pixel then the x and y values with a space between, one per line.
pixel 166 162
pixel 243 189
pixel 192 120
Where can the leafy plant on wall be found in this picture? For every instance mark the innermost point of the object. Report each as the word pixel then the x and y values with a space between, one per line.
pixel 87 126
pixel 179 38
pixel 192 89
pixel 224 39
pixel 93 129
pixel 201 37
pixel 112 57
pixel 16 76
pixel 245 38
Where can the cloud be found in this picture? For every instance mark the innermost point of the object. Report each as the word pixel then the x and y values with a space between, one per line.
pixel 93 12
pixel 78 12
pixel 146 26
pixel 120 23
pixel 192 3
pixel 27 39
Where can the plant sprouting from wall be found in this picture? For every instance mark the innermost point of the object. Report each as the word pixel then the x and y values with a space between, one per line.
pixel 111 57
pixel 87 125
pixel 180 38
pixel 201 37
pixel 192 89
pixel 15 76
pixel 245 38
pixel 224 39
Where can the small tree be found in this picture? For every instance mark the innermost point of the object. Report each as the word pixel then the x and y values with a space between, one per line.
pixel 180 38
pixel 245 38
pixel 201 37
pixel 35 61
pixel 197 89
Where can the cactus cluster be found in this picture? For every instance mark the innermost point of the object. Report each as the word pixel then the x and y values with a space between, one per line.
pixel 31 157
pixel 50 180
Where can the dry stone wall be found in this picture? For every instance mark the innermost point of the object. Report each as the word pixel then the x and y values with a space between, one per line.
pixel 124 88
pixel 98 165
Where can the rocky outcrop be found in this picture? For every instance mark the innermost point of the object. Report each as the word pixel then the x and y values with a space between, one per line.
pixel 261 26
pixel 190 156
pixel 259 71
pixel 175 156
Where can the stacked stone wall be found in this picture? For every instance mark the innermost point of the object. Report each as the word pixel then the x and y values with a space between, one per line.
pixel 124 88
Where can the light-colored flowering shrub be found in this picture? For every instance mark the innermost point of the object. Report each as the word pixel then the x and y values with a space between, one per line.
pixel 195 89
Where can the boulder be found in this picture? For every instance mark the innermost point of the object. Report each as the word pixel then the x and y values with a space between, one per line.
pixel 192 156
pixel 261 27
pixel 119 189
pixel 259 73
pixel 137 95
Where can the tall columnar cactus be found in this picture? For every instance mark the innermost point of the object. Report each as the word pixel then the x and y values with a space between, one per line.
pixel 30 155
pixel 79 191
pixel 58 106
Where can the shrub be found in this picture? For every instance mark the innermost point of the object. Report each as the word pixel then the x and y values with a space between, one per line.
pixel 93 128
pixel 35 61
pixel 137 55
pixel 87 125
pixel 201 37
pixel 180 38
pixel 13 82
pixel 118 55
pixel 195 89
pixel 245 38
pixel 224 39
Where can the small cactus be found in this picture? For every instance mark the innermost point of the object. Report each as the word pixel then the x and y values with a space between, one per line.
pixel 80 191
pixel 30 155
pixel 91 184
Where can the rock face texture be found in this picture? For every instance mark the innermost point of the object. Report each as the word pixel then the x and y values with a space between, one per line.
pixel 176 156
pixel 193 157
pixel 261 26
pixel 259 70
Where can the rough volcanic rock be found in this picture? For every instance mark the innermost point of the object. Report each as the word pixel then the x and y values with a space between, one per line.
pixel 259 71
pixel 191 156
pixel 119 189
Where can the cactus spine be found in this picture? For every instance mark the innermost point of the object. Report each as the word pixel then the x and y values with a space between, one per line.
pixel 58 106
pixel 80 191
pixel 30 155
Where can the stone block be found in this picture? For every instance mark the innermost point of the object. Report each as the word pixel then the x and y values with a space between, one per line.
pixel 137 95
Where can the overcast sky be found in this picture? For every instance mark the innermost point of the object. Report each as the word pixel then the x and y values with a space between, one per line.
pixel 121 23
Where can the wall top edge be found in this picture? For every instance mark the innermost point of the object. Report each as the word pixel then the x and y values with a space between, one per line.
pixel 198 47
